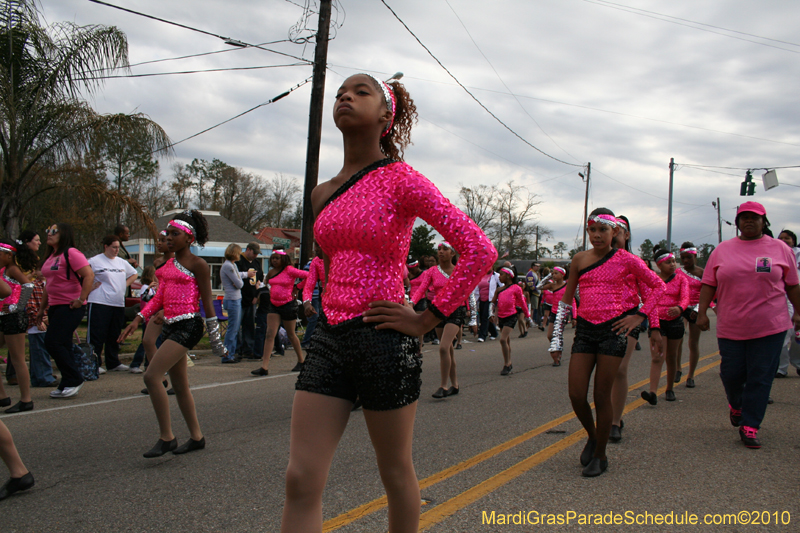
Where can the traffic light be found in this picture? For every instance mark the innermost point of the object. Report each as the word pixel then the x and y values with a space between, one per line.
pixel 748 186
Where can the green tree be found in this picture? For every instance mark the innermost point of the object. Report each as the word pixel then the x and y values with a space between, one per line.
pixel 45 127
pixel 672 248
pixel 703 253
pixel 559 249
pixel 543 251
pixel 422 242
pixel 646 250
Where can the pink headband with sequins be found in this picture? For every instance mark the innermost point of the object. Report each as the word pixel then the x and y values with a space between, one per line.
pixel 7 248
pixel 163 233
pixel 412 264
pixel 692 251
pixel 621 222
pixel 507 271
pixel 391 101
pixel 559 269
pixel 608 220
pixel 279 252
pixel 665 258
pixel 182 225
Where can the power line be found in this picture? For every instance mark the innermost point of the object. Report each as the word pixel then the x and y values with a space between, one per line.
pixel 196 55
pixel 737 168
pixel 641 191
pixel 227 40
pixel 147 75
pixel 472 95
pixel 503 82
pixel 652 15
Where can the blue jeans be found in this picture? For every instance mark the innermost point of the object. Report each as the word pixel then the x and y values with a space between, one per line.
pixel 312 322
pixel 41 368
pixel 234 309
pixel 747 369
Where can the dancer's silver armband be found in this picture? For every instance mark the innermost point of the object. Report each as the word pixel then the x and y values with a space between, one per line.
pixel 544 280
pixel 557 343
pixel 214 338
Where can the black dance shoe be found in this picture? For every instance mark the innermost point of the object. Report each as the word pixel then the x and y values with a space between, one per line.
pixel 595 467
pixel 452 391
pixel 16 484
pixel 678 376
pixel 260 372
pixel 20 407
pixel 669 396
pixel 5 402
pixel 440 393
pixel 588 452
pixel 190 446
pixel 615 435
pixel 161 448
pixel 651 397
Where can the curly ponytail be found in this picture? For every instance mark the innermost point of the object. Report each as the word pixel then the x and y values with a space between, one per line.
pixel 394 143
pixel 198 222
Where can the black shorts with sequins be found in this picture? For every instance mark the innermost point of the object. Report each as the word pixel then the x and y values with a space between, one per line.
pixel 458 317
pixel 507 322
pixel 14 323
pixel 671 329
pixel 286 311
pixel 690 314
pixel 599 339
pixel 353 359
pixel 187 332
pixel 421 305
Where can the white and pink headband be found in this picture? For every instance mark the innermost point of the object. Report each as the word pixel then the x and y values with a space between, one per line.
pixel 621 222
pixel 391 101
pixel 559 269
pixel 608 220
pixel 507 271
pixel 665 257
pixel 279 252
pixel 182 225
pixel 692 251
pixel 412 264
pixel 7 248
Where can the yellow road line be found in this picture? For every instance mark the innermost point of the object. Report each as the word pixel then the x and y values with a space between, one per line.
pixel 379 503
pixel 451 506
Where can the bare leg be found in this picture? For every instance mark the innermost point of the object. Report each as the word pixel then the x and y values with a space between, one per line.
pixel 9 453
pixel 151 334
pixel 505 345
pixel 447 355
pixel 392 434
pixel 165 358
pixel 694 349
pixel 293 339
pixel 671 357
pixel 180 383
pixel 657 355
pixel 680 349
pixel 273 325
pixel 607 366
pixel 581 366
pixel 317 425
pixel 619 392
pixel 16 351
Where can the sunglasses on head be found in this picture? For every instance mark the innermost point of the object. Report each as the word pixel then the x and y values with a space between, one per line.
pixel 51 231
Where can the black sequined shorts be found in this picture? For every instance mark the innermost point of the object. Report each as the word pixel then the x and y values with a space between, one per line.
pixel 690 314
pixel 458 317
pixel 421 305
pixel 286 311
pixel 671 329
pixel 507 322
pixel 14 323
pixel 599 339
pixel 187 332
pixel 353 359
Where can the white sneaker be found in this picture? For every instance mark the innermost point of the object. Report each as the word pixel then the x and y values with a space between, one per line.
pixel 435 341
pixel 56 393
pixel 492 338
pixel 121 368
pixel 70 391
pixel 480 339
pixel 101 370
pixel 136 370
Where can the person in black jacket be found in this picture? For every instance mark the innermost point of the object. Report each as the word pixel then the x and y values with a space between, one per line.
pixel 250 268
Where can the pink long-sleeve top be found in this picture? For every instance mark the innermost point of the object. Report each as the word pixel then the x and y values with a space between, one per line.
pixel 429 283
pixel 634 289
pixel 316 272
pixel 675 294
pixel 365 230
pixel 281 286
pixel 415 282
pixel 177 294
pixel 13 298
pixel 695 284
pixel 509 299
pixel 602 287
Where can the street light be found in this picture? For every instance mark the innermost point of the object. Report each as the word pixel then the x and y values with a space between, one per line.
pixel 586 200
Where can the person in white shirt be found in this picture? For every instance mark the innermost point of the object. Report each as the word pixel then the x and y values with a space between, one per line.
pixel 113 275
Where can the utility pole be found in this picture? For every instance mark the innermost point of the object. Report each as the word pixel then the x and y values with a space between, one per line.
pixel 669 206
pixel 315 128
pixel 586 201
pixel 719 224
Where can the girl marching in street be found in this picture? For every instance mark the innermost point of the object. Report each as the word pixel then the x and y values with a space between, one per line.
pixel 602 327
pixel 694 276
pixel 667 320
pixel 366 342
pixel 554 288
pixel 183 281
pixel 509 302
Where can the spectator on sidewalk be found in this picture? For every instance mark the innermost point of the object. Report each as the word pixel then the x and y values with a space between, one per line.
pixel 232 284
pixel 250 269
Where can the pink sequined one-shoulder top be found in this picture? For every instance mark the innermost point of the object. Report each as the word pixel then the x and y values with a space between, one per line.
pixel 316 273
pixel 509 299
pixel 177 294
pixel 429 283
pixel 695 284
pixel 8 304
pixel 675 294
pixel 282 285
pixel 603 287
pixel 365 231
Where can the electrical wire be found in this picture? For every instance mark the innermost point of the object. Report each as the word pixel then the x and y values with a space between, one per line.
pixel 228 40
pixel 641 191
pixel 472 95
pixel 270 101
pixel 689 165
pixel 652 15
pixel 147 75
pixel 196 55
pixel 504 83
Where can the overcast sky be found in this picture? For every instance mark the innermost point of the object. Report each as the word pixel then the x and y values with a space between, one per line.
pixel 582 80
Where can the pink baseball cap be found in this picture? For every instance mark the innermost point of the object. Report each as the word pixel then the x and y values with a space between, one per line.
pixel 752 207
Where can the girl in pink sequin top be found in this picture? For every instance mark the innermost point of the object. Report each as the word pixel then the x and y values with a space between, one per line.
pixel 366 341
pixel 603 323
pixel 666 318
pixel 282 308
pixel 508 300
pixel 554 290
pixel 184 280
pixel 694 276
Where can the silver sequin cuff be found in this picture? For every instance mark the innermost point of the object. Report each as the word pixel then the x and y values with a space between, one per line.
pixel 557 343
pixel 214 337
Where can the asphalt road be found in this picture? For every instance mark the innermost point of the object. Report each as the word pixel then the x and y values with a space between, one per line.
pixel 504 445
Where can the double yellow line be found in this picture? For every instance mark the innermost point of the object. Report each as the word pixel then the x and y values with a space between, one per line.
pixel 451 506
